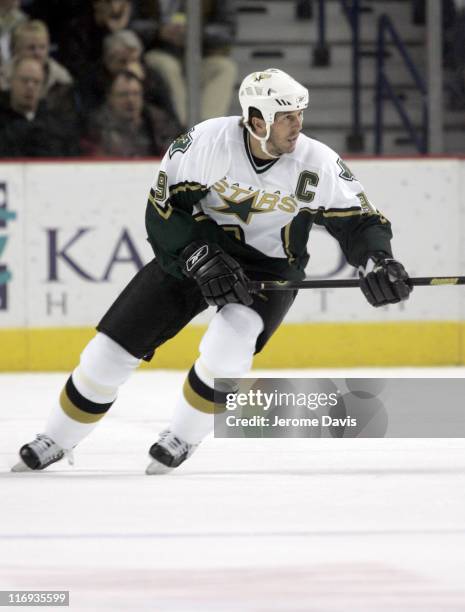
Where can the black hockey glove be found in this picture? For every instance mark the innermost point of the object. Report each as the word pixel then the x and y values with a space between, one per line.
pixel 384 280
pixel 219 276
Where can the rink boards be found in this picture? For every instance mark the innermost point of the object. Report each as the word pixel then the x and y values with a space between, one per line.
pixel 72 234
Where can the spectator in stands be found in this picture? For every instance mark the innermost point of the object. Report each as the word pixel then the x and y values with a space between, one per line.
pixel 55 13
pixel 31 39
pixel 219 72
pixel 122 50
pixel 127 127
pixel 81 44
pixel 27 128
pixel 10 17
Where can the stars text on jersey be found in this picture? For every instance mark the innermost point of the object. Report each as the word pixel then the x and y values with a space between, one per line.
pixel 244 202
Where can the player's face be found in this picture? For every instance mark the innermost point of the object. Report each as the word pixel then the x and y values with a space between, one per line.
pixel 284 132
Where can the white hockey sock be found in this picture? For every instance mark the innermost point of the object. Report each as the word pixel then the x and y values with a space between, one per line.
pixel 90 391
pixel 66 432
pixel 191 420
pixel 235 327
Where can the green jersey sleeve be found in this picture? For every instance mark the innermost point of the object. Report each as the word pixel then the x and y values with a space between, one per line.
pixel 193 163
pixel 348 215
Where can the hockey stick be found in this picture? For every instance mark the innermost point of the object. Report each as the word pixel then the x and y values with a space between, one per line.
pixel 421 281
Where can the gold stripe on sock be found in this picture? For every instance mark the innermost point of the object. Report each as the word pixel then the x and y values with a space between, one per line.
pixel 200 403
pixel 76 413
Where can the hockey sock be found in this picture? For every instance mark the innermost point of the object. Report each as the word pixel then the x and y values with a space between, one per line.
pixel 193 416
pixel 74 416
pixel 237 328
pixel 90 391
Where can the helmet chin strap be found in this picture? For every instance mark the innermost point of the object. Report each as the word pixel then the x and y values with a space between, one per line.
pixel 262 139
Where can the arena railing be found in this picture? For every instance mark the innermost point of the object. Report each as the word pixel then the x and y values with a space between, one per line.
pixel 321 57
pixel 385 90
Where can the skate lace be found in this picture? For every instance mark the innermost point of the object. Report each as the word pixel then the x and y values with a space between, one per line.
pixel 43 443
pixel 174 444
pixel 48 448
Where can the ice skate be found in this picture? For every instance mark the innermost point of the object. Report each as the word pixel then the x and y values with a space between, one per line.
pixel 168 452
pixel 39 454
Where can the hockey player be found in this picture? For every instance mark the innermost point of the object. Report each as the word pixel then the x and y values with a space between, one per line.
pixel 234 199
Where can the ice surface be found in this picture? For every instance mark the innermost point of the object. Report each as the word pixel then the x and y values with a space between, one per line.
pixel 245 525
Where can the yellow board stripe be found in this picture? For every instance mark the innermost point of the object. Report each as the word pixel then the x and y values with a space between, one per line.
pixel 301 345
pixel 76 413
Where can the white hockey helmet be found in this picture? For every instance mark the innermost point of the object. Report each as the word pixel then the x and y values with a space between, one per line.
pixel 270 91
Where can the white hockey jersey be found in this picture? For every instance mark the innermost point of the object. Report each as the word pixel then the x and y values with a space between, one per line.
pixel 210 187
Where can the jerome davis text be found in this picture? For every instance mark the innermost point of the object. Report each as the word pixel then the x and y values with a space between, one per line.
pixel 277 421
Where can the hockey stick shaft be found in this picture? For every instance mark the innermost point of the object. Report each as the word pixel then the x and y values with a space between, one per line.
pixel 421 281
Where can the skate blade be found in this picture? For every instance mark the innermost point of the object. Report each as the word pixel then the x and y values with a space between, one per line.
pixel 155 467
pixel 21 467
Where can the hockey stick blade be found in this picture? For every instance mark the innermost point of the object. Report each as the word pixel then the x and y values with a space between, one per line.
pixel 344 283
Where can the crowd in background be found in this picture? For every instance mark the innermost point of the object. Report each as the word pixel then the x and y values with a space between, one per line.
pixel 105 77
